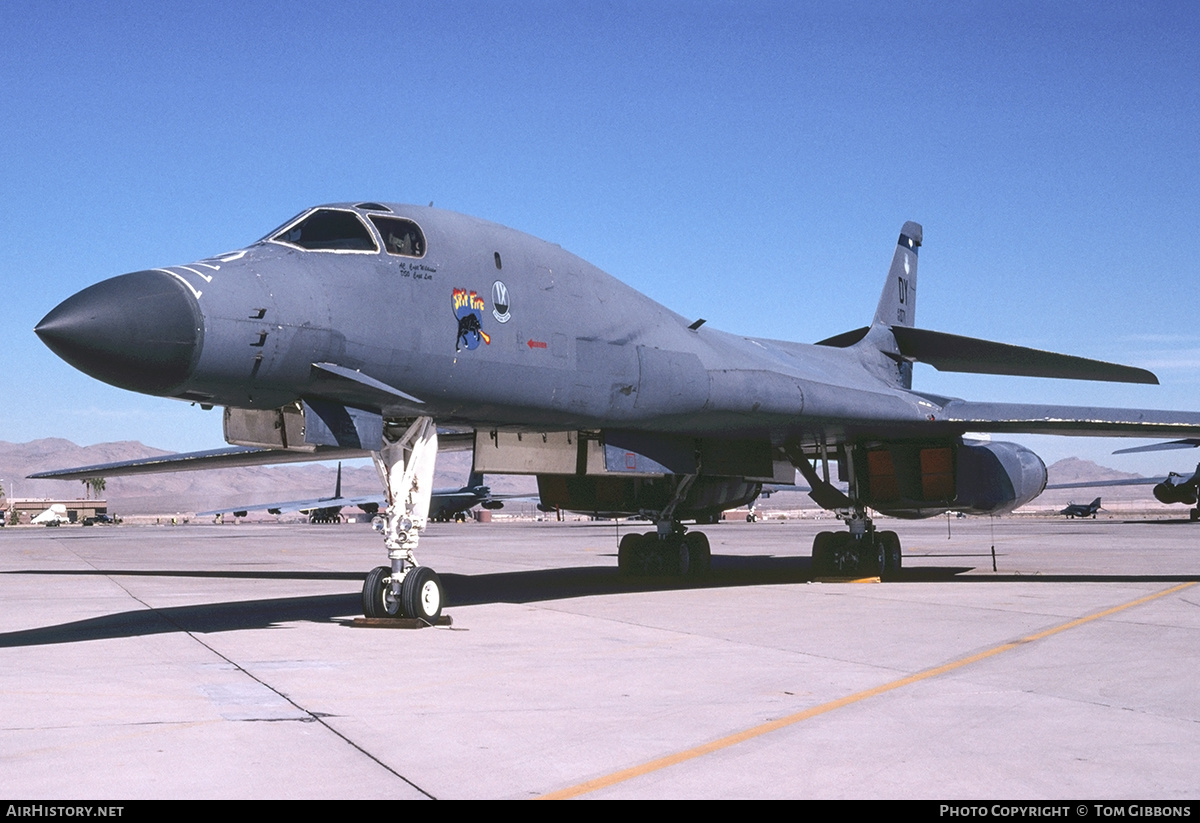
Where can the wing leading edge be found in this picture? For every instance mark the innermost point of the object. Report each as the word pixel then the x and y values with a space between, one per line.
pixel 231 457
pixel 1027 418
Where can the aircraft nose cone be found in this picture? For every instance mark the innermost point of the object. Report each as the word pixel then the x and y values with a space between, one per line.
pixel 139 331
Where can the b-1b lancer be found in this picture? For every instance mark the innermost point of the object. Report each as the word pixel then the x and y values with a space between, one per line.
pixel 360 328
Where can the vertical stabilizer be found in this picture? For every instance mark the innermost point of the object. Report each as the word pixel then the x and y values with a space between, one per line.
pixel 897 307
pixel 337 490
pixel 475 480
pixel 898 303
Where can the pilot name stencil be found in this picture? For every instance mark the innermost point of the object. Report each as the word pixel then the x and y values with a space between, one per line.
pixel 417 271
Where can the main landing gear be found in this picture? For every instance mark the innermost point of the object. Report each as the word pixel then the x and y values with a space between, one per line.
pixel 675 555
pixel 406 589
pixel 841 554
pixel 670 551
pixel 860 552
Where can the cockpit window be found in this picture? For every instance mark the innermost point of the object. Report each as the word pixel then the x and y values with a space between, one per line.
pixel 328 230
pixel 400 236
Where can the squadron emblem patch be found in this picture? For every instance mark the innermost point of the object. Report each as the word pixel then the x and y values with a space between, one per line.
pixel 468 310
pixel 500 302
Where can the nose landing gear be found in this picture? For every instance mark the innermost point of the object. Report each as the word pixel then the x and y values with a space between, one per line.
pixel 406 589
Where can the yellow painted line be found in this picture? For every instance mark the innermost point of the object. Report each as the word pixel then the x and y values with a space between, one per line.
pixel 790 720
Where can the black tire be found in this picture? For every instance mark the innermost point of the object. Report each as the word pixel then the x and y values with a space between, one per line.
pixel 422 595
pixel 889 555
pixel 1194 514
pixel 377 597
pixel 630 555
pixel 699 554
pixel 822 554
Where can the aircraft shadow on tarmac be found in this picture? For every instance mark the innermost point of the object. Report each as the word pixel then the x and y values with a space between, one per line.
pixel 468 590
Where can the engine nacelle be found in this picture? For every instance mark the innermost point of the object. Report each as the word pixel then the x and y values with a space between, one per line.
pixel 923 480
pixel 1171 493
pixel 620 496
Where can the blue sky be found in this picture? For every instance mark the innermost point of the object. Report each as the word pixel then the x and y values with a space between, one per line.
pixel 750 163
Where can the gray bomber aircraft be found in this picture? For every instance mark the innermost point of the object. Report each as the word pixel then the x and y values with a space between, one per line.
pixel 444 504
pixel 361 328
pixel 319 510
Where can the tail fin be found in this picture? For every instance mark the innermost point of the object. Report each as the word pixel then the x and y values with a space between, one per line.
pixel 892 343
pixel 898 303
pixel 897 307
pixel 337 490
pixel 475 480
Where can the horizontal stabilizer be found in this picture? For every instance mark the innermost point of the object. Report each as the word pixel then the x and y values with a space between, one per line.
pixel 1028 418
pixel 952 352
pixel 1190 443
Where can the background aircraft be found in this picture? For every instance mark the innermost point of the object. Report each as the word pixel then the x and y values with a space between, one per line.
pixel 444 505
pixel 320 510
pixel 454 504
pixel 1074 510
pixel 1174 488
pixel 354 327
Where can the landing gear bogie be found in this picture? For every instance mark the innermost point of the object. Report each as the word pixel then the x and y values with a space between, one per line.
pixel 648 555
pixel 841 554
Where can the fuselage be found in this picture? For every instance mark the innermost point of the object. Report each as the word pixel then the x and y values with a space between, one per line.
pixel 485 325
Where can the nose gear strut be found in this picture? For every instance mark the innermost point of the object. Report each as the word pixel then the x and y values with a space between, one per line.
pixel 405 589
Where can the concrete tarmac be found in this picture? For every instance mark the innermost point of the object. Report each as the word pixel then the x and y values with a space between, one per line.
pixel 220 662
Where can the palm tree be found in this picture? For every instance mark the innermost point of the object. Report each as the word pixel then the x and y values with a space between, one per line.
pixel 94 485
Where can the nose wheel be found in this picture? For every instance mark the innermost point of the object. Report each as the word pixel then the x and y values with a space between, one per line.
pixel 417 594
pixel 421 594
pixel 379 597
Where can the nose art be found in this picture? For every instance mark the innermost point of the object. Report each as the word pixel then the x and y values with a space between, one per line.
pixel 141 331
